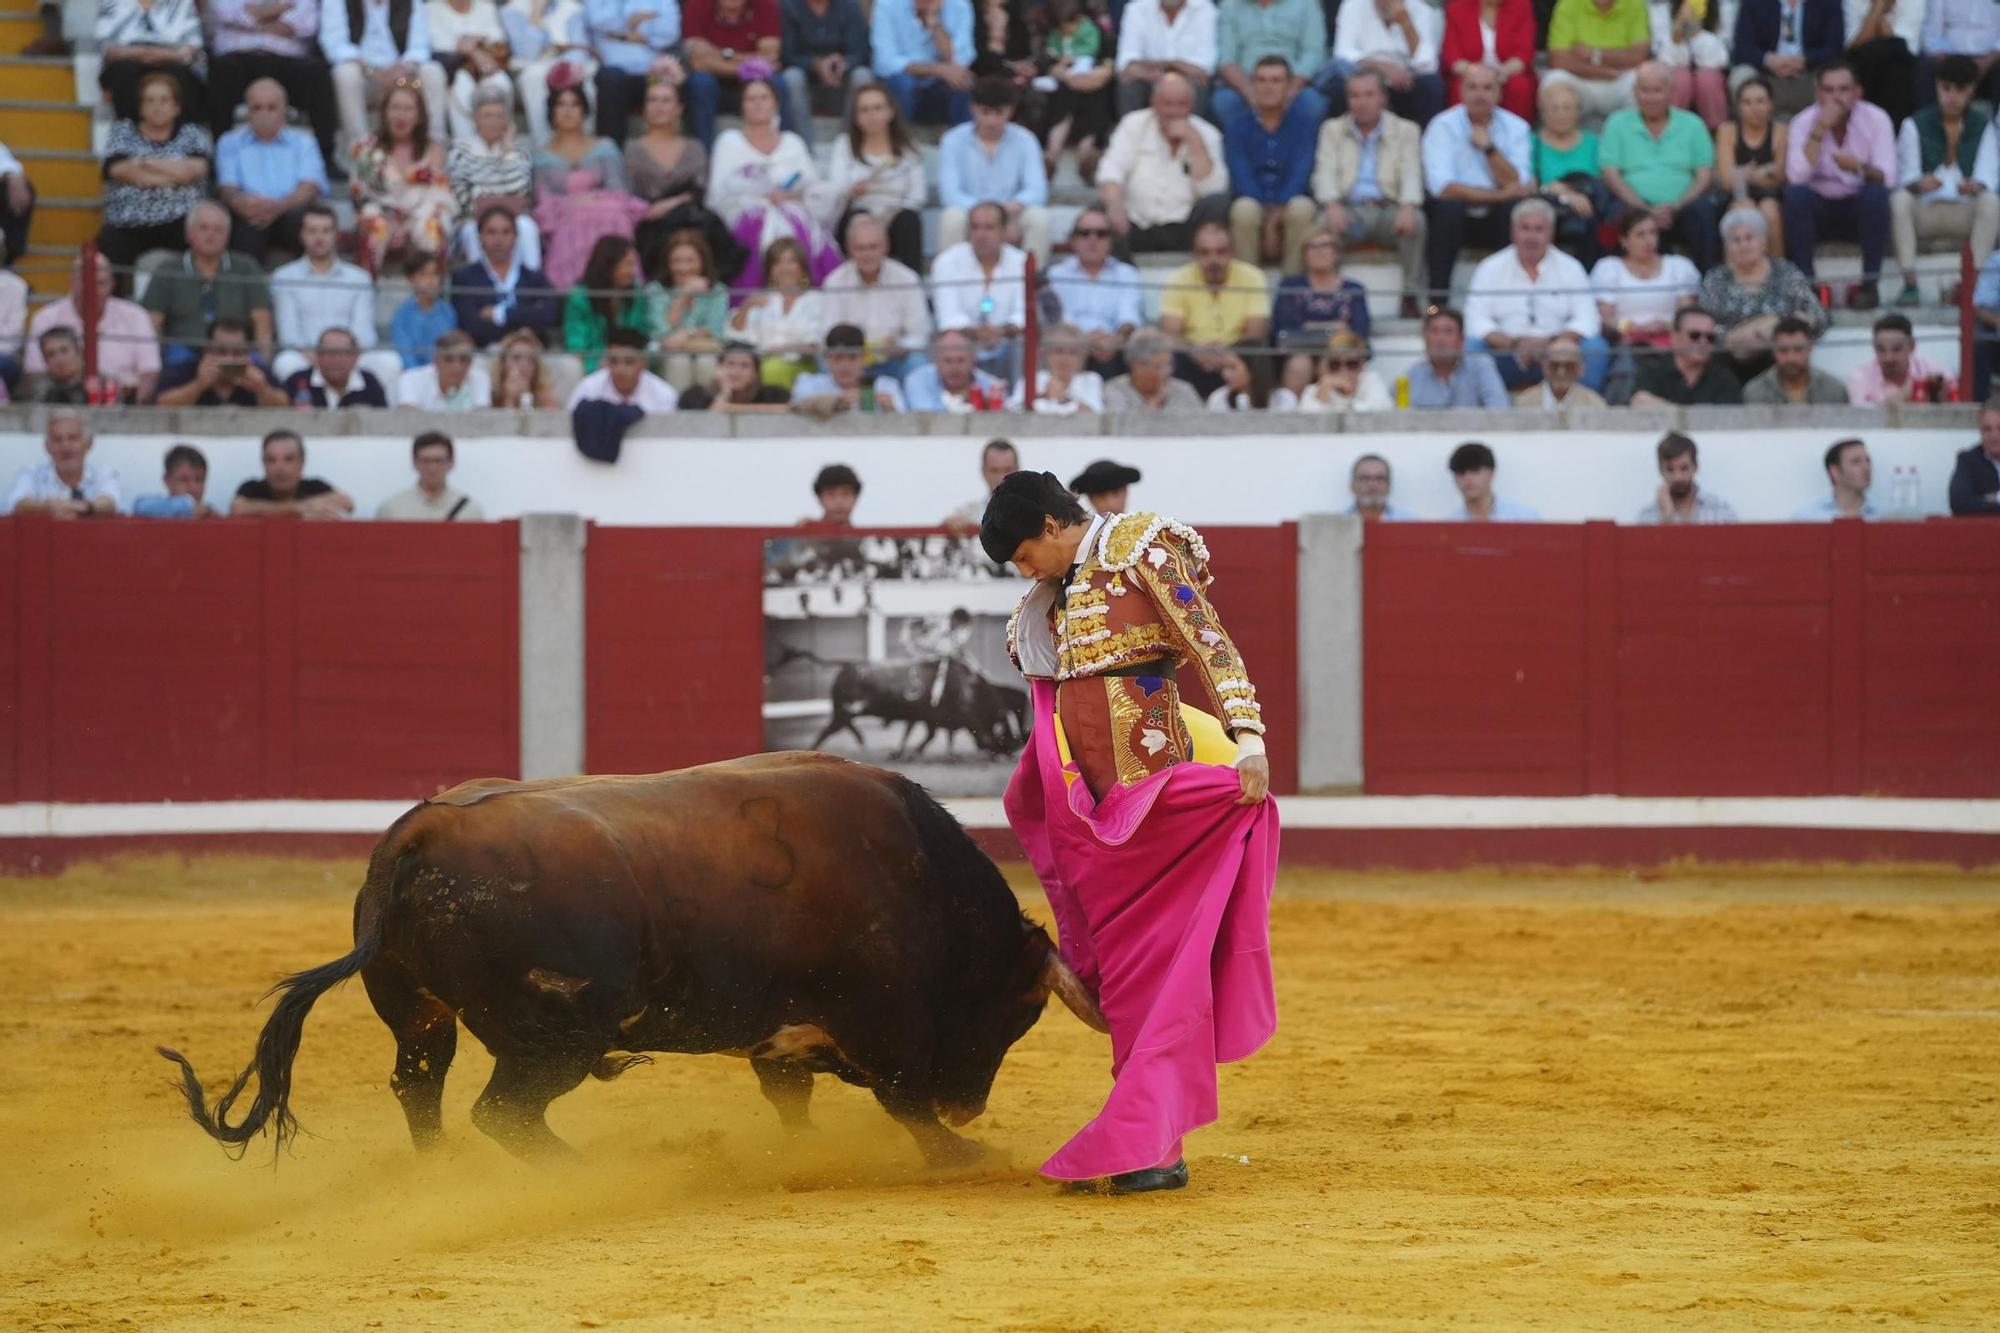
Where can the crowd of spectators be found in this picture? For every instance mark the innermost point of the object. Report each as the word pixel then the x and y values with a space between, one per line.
pixel 558 169
pixel 68 485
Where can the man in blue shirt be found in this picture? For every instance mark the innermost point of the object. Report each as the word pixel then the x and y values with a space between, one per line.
pixel 266 173
pixel 1269 147
pixel 633 39
pixel 1447 377
pixel 1477 166
pixel 994 159
pixel 923 52
pixel 1098 293
pixel 1472 467
pixel 953 382
pixel 1851 472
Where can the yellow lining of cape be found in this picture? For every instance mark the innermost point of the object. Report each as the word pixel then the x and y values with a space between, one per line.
pixel 1212 744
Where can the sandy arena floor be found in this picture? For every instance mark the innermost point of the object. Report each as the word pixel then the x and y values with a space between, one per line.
pixel 1577 1103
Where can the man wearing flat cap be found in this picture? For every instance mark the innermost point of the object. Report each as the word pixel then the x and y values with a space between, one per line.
pixel 1105 483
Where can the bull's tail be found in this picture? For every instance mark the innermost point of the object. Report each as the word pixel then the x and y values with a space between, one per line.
pixel 278 1044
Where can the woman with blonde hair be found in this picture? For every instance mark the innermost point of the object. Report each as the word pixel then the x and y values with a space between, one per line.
pixel 1345 383
pixel 520 376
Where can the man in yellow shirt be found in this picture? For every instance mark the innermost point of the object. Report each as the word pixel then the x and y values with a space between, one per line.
pixel 1596 47
pixel 1212 304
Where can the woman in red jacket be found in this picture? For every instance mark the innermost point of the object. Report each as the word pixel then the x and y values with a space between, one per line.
pixel 1500 33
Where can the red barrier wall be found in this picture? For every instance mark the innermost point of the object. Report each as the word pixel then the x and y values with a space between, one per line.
pixel 675 625
pixel 245 659
pixel 1769 660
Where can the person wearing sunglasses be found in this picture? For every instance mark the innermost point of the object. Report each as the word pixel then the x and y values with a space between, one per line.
pixel 1345 383
pixel 1692 374
pixel 1099 292
pixel 1562 371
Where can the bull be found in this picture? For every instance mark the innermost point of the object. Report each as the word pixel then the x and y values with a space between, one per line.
pixel 803 911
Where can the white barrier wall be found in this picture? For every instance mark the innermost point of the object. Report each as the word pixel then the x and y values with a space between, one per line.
pixel 1204 469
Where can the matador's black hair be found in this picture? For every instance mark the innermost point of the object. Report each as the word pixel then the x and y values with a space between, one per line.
pixel 1017 509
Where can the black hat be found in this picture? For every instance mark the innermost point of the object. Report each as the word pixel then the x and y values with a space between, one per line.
pixel 1103 475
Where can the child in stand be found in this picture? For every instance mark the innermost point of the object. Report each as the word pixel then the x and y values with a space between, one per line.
pixel 1076 77
pixel 426 314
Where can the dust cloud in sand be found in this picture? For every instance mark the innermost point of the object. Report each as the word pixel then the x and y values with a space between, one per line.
pixel 1573 1102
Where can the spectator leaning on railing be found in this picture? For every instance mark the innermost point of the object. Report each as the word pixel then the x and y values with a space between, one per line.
pixel 65 484
pixel 184 481
pixel 284 491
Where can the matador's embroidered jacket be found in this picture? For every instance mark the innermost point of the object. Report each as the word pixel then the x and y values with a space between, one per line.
pixel 1138 595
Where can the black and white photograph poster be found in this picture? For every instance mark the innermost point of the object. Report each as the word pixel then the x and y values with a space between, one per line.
pixel 893 650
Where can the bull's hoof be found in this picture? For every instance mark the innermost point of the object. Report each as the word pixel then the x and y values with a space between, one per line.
pixel 956 1154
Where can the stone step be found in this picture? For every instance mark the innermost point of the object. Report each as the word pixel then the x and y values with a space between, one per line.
pixel 66 222
pixel 32 124
pixel 38 79
pixel 71 173
pixel 18 27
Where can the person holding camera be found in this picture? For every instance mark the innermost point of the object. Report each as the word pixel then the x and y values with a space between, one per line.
pixel 225 375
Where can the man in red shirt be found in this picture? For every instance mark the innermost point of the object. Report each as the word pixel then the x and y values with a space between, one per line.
pixel 720 38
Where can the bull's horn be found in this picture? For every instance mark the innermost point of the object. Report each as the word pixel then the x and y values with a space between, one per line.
pixel 1063 981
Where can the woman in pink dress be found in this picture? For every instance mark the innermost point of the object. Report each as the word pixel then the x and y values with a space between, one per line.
pixel 1158 865
pixel 579 190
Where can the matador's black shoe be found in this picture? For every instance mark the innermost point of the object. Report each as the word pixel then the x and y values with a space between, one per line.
pixel 1173 1177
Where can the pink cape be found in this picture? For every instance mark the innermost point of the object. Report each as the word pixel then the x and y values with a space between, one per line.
pixel 1162 900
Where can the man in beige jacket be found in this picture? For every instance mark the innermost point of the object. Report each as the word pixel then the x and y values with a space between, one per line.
pixel 1384 204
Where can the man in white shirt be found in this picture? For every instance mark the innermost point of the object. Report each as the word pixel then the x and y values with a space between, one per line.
pixel 1477 165
pixel 65 484
pixel 450 383
pixel 1163 174
pixel 1472 467
pixel 1099 294
pixel 1157 37
pixel 885 298
pixel 624 377
pixel 317 292
pixel 1523 295
pixel 1399 41
pixel 980 285
pixel 431 499
pixel 372 46
pixel 1850 472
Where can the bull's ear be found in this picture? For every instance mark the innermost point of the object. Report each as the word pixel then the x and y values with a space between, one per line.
pixel 1064 982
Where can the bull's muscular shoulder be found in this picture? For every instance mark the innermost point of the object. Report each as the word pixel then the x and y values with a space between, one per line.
pixel 1129 536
